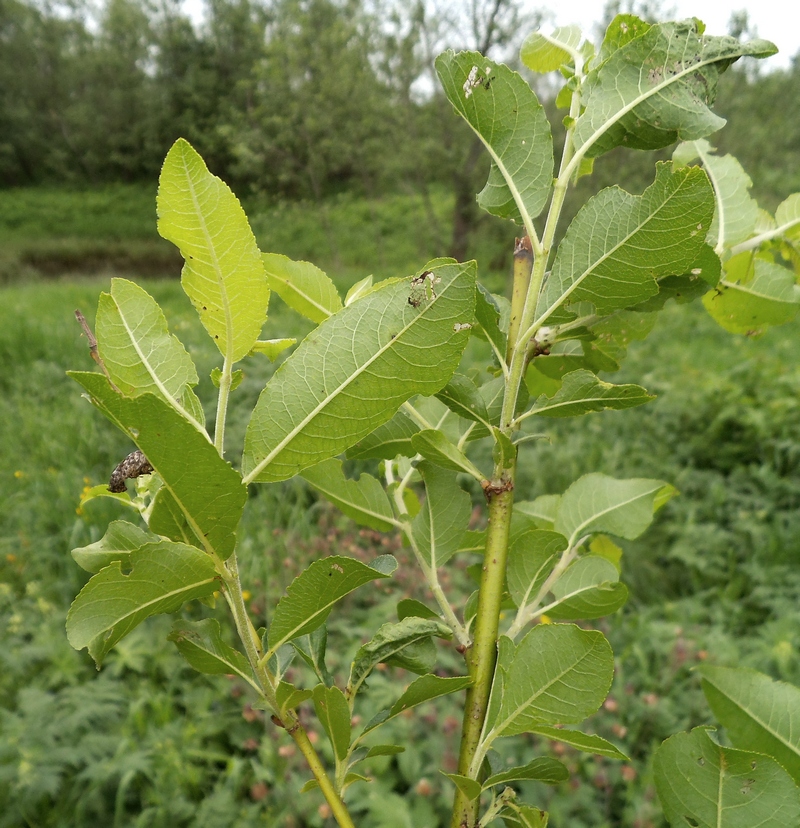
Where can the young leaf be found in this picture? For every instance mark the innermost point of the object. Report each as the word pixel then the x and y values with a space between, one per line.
pixel 532 554
pixel 704 785
pixel 353 372
pixel 288 696
pixel 363 500
pixel 201 644
pixel 598 503
pixel 440 525
pixel 137 349
pixel 388 642
pixel 434 446
pixel 619 244
pixel 544 53
pixel 758 713
pixel 560 675
pixel 202 487
pixel 582 392
pixel 236 378
pixel 423 689
pixel 223 275
pixel 504 452
pixel 310 597
pixel 358 290
pixel 303 286
pixel 487 317
pixel 586 742
pixel 504 113
pixel 164 576
pixel 736 211
pixel 766 296
pixel 543 769
pixel 333 713
pixel 311 648
pixel 524 816
pixel 656 89
pixel 469 787
pixel 384 750
pixel 387 441
pixel 120 539
pixel 589 588
pixel 272 348
pixel 461 396
pixel 411 608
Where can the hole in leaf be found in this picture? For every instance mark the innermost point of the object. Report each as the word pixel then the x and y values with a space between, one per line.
pixel 701 761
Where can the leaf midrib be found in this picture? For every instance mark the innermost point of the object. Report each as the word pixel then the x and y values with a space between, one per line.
pixel 291 286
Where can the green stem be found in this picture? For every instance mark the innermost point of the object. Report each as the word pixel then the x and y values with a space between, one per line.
pixel 523 264
pixel 222 406
pixel 482 655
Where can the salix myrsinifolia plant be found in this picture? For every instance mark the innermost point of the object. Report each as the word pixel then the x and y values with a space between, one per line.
pixel 377 380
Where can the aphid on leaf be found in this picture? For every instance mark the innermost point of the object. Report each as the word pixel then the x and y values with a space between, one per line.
pixel 133 465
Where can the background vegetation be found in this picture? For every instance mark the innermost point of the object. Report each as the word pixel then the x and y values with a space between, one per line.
pixel 323 117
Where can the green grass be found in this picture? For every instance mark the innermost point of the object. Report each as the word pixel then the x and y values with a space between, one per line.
pixel 149 742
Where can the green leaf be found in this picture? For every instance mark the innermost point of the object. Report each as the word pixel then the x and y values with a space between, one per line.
pixel 434 446
pixel 758 713
pixel 622 29
pixel 487 317
pixel 532 554
pixel 614 334
pixel 272 348
pixel 704 785
pixel 163 577
pixel 542 511
pixel 439 527
pixel 588 589
pixel 311 595
pixel 603 546
pixel 387 441
pixel 598 503
pixel 236 378
pixel 223 275
pixel 289 697
pixel 504 113
pixel 586 742
pixel 504 452
pixel 352 373
pixel 560 675
pixel 619 244
pixel 333 713
pixel 461 396
pixel 311 648
pixel 120 539
pixel 358 290
pixel 198 484
pixel 363 500
pixel 384 750
pixel 201 644
pixel 656 89
pixel 411 608
pixel 524 816
pixel 389 642
pixel 543 769
pixel 787 216
pixel 766 296
pixel 303 286
pixel 547 52
pixel 138 351
pixel 423 689
pixel 736 211
pixel 582 392
pixel 469 787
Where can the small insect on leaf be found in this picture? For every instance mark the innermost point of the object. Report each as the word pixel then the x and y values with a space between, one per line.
pixel 134 465
pixel 337 568
pixel 422 289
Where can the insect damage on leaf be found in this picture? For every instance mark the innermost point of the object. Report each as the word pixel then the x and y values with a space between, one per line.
pixel 134 465
pixel 422 288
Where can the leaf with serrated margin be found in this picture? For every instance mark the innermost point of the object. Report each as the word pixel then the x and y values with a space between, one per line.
pixel 598 503
pixel 582 392
pixel 787 216
pixel 702 784
pixel 461 396
pixel 138 350
pixel 311 595
pixel 390 641
pixel 588 589
pixel 164 575
pixel 765 297
pixel 387 441
pixel 619 244
pixel 736 211
pixel 423 689
pixel 120 539
pixel 353 372
pixel 205 488
pixel 544 53
pixel 542 769
pixel 436 448
pixel 587 742
pixel 223 274
pixel 560 675
pixel 757 712
pixel 656 89
pixel 201 644
pixel 334 715
pixel 303 286
pixel 504 113
pixel 363 500
pixel 442 521
pixel 532 554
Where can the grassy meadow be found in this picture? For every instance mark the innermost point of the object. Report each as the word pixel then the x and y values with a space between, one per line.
pixel 149 742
